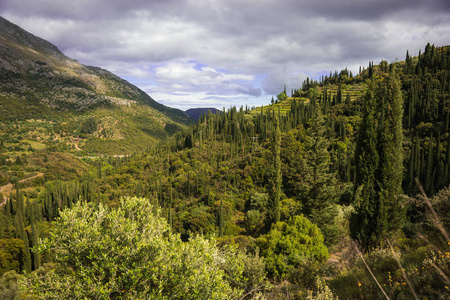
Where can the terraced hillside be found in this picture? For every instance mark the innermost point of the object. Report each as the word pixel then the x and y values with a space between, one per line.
pixel 349 92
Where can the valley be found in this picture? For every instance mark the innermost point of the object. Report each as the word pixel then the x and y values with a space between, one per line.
pixel 108 194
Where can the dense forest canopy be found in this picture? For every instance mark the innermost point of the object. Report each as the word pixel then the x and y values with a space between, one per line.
pixel 341 188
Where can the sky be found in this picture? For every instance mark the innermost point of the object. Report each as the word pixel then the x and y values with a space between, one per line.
pixel 211 53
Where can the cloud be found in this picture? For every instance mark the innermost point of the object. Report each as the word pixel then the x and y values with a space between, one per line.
pixel 237 50
pixel 191 76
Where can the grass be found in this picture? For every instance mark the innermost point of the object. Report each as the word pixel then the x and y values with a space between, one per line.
pixel 35 145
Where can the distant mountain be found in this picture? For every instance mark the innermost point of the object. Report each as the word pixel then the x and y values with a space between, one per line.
pixel 37 80
pixel 195 113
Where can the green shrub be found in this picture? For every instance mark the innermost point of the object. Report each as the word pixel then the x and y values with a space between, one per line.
pixel 9 285
pixel 131 253
pixel 292 247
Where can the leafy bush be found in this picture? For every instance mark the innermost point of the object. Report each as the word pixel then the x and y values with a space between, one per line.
pixel 9 287
pixel 131 253
pixel 293 246
pixel 11 254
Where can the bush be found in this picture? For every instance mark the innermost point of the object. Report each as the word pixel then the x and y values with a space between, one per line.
pixel 323 292
pixel 129 253
pixel 9 287
pixel 292 247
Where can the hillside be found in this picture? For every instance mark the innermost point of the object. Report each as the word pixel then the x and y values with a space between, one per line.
pixel 318 189
pixel 247 176
pixel 195 113
pixel 38 82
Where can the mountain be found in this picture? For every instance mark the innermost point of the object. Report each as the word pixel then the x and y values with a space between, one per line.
pixel 195 113
pixel 37 81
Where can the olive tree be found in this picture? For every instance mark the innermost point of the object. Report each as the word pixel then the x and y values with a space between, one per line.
pixel 130 253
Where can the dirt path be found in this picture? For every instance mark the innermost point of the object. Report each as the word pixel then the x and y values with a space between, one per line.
pixel 75 143
pixel 8 188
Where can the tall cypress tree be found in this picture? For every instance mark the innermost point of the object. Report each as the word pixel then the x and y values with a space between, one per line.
pixel 35 242
pixel 379 165
pixel 319 180
pixel 275 190
pixel 221 219
pixel 447 163
pixel 429 167
pixel 391 156
pixel 363 222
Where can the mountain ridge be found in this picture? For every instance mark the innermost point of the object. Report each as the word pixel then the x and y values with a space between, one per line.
pixel 23 52
pixel 38 81
pixel 16 33
pixel 195 113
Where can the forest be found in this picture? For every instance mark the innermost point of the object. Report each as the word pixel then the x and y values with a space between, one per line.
pixel 339 189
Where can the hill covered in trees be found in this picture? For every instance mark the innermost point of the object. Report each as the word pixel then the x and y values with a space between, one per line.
pixel 339 189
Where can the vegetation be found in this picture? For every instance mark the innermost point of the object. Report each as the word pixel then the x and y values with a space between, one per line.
pixel 321 194
pixel 129 252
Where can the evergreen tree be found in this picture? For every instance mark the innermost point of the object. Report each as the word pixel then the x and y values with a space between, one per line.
pixel 34 242
pixel 320 181
pixel 379 164
pixel 363 224
pixel 390 149
pixel 275 188
pixel 221 219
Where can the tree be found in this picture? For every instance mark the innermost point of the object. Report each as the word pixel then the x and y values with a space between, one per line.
pixel 363 225
pixel 12 252
pixel 320 183
pixel 275 187
pixel 131 253
pixel 390 170
pixel 379 164
pixel 281 96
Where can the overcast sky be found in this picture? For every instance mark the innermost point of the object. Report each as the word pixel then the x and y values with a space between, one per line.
pixel 207 53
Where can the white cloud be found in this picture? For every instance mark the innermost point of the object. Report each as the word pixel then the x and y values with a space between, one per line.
pixel 192 77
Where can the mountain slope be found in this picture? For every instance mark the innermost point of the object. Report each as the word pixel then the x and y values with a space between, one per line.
pixel 195 113
pixel 38 81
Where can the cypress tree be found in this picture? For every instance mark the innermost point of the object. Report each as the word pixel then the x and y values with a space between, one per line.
pixel 390 170
pixel 339 93
pixel 439 168
pixel 169 218
pixel 348 99
pixel 391 157
pixel 363 222
pixel 379 165
pixel 447 163
pixel 319 189
pixel 429 166
pixel 22 234
pixel 275 190
pixel 221 219
pixel 412 169
pixel 34 242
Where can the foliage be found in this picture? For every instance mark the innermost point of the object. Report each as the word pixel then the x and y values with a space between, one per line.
pixel 379 158
pixel 9 285
pixel 323 292
pixel 337 144
pixel 292 245
pixel 131 253
pixel 11 255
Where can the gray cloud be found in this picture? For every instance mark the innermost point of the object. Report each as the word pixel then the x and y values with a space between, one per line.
pixel 234 50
